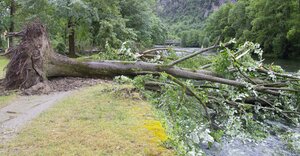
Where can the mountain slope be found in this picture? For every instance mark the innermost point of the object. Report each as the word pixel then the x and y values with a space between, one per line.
pixel 186 14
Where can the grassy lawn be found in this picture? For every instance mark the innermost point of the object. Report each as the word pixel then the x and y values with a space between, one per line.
pixel 4 99
pixel 100 120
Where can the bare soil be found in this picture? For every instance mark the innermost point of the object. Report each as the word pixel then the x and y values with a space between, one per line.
pixel 55 85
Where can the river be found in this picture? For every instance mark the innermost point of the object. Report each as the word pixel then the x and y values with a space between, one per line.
pixel 291 65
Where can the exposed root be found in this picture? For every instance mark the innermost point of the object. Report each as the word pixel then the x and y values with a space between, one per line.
pixel 25 68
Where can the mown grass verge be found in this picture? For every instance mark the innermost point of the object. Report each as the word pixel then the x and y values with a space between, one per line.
pixel 100 120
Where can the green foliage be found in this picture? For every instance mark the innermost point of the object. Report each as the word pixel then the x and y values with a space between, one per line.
pixel 182 113
pixel 95 22
pixel 272 24
pixel 222 62
pixel 140 17
pixel 292 140
pixel 191 38
pixel 185 15
pixel 217 135
pixel 4 22
pixel 125 53
pixel 196 62
pixel 60 48
pixel 186 118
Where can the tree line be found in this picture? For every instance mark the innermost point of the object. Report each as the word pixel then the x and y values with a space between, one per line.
pixel 273 24
pixel 75 25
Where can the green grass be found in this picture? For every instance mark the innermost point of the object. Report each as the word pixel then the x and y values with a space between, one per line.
pixel 4 100
pixel 3 63
pixel 101 120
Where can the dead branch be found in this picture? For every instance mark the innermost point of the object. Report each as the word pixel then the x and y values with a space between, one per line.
pixel 266 71
pixel 14 34
pixel 153 50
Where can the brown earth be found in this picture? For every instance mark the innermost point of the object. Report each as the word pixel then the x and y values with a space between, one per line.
pixel 55 85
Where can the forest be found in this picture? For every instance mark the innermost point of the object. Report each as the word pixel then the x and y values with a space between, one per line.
pixel 76 26
pixel 272 24
pixel 101 77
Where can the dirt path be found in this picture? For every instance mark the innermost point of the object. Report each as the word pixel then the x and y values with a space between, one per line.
pixel 21 111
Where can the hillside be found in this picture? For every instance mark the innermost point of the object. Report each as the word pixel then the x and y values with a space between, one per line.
pixel 186 14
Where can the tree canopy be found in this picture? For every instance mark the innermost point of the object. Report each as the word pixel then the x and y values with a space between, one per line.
pixel 95 23
pixel 272 24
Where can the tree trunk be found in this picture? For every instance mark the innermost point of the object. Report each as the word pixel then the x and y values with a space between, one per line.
pixel 94 30
pixel 71 28
pixel 12 23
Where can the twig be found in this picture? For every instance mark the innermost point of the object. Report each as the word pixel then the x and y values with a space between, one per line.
pixel 282 89
pixel 6 53
pixel 266 71
pixel 238 68
pixel 152 50
pixel 265 108
pixel 243 54
pixel 206 66
pixel 14 34
pixel 276 109
pixel 244 75
pixel 277 84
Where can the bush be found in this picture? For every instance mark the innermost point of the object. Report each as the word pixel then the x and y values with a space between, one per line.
pixel 60 48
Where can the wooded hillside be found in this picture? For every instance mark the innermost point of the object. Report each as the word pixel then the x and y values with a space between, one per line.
pixel 186 14
pixel 273 24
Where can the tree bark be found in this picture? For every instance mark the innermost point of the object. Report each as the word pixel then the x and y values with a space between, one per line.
pixel 71 28
pixel 12 23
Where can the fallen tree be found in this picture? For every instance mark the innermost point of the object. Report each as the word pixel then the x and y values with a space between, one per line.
pixel 33 61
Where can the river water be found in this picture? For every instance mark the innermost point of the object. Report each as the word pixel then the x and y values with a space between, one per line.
pixel 292 65
pixel 273 145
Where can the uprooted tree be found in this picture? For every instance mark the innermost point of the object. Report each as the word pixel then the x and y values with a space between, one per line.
pixel 34 61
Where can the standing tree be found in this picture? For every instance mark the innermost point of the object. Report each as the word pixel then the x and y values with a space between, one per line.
pixel 4 18
pixel 74 12
pixel 7 15
pixel 273 24
pixel 12 9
